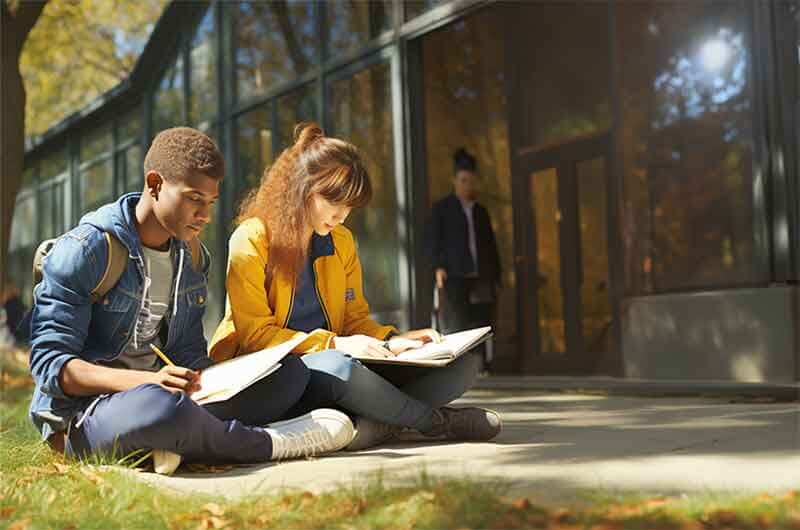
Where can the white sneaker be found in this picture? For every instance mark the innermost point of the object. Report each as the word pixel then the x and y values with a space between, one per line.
pixel 165 462
pixel 319 431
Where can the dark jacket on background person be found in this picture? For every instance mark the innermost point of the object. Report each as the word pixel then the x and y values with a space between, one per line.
pixel 448 240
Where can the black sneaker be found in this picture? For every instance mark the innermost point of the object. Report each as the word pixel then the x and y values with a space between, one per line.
pixel 470 424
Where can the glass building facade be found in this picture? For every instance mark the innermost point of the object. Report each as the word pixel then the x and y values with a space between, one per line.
pixel 639 161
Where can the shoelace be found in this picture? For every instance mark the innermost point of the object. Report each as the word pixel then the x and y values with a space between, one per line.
pixel 305 443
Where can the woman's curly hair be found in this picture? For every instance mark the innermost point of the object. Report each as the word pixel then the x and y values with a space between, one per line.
pixel 315 164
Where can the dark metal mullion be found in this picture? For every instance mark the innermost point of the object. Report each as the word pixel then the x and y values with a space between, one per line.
pixel 417 180
pixel 225 74
pixel 570 257
pixel 183 49
pixel 319 71
pixel 614 203
pixel 768 267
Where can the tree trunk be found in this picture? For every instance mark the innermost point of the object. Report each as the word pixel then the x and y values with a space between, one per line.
pixel 15 24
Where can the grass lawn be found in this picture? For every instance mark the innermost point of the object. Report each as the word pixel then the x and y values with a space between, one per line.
pixel 39 489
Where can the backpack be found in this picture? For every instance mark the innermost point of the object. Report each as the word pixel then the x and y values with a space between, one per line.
pixel 117 261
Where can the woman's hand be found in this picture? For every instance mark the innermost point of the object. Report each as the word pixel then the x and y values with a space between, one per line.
pixel 176 378
pixel 424 335
pixel 400 344
pixel 361 346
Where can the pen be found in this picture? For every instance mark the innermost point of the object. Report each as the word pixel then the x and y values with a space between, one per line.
pixel 162 355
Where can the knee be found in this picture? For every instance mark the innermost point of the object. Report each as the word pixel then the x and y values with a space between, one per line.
pixel 157 408
pixel 332 362
pixel 467 367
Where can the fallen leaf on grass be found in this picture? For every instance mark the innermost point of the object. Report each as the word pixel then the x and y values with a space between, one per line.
pixel 521 504
pixel 94 477
pixel 5 513
pixel 214 509
pixel 212 523
pixel 206 468
pixel 61 468
pixel 22 524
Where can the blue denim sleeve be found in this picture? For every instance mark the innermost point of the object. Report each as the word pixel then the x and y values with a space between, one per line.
pixel 62 310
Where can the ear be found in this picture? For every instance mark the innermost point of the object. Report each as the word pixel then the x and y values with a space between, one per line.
pixel 153 182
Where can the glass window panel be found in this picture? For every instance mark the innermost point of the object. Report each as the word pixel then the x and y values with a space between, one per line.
pixel 567 98
pixel 130 127
pixel 46 212
pixel 168 100
pixel 275 41
pixel 361 112
pixel 417 7
pixel 216 298
pixel 352 24
pixel 54 165
pixel 686 139
pixel 203 103
pixel 254 132
pixel 465 106
pixel 134 170
pixel 96 185
pixel 293 108
pixel 545 207
pixel 29 177
pixel 24 223
pixel 95 144
pixel 20 273
pixel 593 219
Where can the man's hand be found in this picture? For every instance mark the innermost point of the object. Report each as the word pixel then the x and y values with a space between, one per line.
pixel 361 346
pixel 424 335
pixel 176 379
pixel 441 278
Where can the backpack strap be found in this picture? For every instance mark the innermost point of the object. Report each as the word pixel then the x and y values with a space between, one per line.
pixel 115 266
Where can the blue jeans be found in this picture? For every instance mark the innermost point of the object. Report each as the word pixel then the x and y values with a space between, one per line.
pixel 151 417
pixel 394 394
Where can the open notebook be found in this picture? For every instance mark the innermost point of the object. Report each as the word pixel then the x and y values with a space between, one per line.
pixel 226 379
pixel 438 354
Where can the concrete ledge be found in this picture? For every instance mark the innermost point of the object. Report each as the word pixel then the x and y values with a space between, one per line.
pixel 643 387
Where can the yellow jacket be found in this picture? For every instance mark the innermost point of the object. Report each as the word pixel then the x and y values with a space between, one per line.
pixel 255 317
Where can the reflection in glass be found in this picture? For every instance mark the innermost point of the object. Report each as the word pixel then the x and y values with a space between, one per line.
pixel 351 24
pixel 293 108
pixel 544 187
pixel 417 7
pixel 592 216
pixel 254 141
pixel 168 100
pixel 568 97
pixel 134 168
pixel 96 185
pixel 275 41
pixel 361 112
pixel 54 165
pixel 465 105
pixel 202 59
pixel 22 244
pixel 130 127
pixel 95 144
pixel 686 145
pixel 215 300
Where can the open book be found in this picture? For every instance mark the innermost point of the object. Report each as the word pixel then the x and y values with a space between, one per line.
pixel 437 354
pixel 226 379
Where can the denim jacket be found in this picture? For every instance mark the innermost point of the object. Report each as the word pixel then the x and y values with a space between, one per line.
pixel 65 325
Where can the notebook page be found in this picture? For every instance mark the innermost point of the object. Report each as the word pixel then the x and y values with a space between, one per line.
pixel 240 372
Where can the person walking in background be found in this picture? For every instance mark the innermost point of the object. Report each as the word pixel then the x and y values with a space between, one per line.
pixel 464 254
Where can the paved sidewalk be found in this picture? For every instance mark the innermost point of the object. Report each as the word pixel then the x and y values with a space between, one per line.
pixel 555 444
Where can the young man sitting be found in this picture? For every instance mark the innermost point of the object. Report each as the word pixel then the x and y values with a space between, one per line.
pixel 100 389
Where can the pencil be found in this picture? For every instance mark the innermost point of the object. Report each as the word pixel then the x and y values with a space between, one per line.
pixel 162 355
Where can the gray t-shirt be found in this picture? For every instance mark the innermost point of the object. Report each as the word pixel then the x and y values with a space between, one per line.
pixel 158 285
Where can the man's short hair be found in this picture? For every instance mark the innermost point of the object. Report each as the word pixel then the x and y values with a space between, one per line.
pixel 181 151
